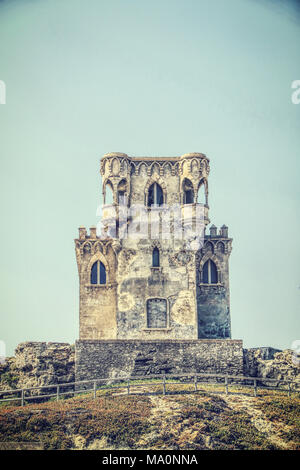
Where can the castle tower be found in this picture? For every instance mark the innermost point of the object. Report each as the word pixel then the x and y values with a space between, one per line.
pixel 124 292
pixel 141 278
pixel 212 268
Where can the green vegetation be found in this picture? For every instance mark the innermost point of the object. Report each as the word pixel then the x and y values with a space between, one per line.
pixel 54 424
pixel 9 379
pixel 115 420
pixel 211 424
pixel 284 410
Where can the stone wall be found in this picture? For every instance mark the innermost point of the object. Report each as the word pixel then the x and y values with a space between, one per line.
pixel 271 363
pixel 38 364
pixel 122 358
pixel 139 282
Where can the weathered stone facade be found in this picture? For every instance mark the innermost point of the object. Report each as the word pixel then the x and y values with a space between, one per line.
pixel 39 364
pixel 154 288
pixel 183 296
pixel 124 358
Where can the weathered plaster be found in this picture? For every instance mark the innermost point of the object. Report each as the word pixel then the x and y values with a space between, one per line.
pixel 118 309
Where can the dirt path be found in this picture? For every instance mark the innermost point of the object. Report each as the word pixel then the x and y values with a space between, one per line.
pixel 162 415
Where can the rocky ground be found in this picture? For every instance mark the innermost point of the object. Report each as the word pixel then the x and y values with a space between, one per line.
pixel 271 363
pixel 207 419
pixel 38 364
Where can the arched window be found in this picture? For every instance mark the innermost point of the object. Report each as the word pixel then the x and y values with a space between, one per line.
pixel 221 247
pixel 121 192
pixel 155 258
pixel 109 199
pixel 98 273
pixel 188 192
pixel 201 199
pixel 209 247
pixel 210 273
pixel 155 195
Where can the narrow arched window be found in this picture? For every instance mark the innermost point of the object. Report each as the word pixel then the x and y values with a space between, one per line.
pixel 102 274
pixel 155 195
pixel 188 196
pixel 109 198
pixel 121 192
pixel 98 273
pixel 210 273
pixel 188 192
pixel 155 258
pixel 221 247
pixel 201 199
pixel 94 274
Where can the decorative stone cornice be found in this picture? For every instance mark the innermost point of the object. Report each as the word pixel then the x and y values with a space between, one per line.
pixel 196 159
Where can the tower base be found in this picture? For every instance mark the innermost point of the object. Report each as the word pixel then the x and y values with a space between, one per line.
pixel 123 358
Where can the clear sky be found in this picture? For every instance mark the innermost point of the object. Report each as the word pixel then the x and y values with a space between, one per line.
pixel 147 77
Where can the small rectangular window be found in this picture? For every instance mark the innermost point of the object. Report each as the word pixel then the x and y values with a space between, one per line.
pixel 157 313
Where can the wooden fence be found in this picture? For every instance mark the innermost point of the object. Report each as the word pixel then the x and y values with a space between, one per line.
pixel 87 386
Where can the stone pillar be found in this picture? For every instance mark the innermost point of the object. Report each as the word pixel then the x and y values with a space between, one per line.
pixel 82 233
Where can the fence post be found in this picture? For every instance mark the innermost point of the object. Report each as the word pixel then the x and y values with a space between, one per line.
pixel 255 387
pixel 226 385
pixel 128 386
pixel 57 393
pixel 195 381
pixel 164 385
pixel 22 397
pixel 95 388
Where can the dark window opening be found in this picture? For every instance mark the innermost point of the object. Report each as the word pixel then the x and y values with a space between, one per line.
pixel 188 192
pixel 155 195
pixel 210 273
pixel 155 258
pixel 98 273
pixel 188 197
pixel 94 274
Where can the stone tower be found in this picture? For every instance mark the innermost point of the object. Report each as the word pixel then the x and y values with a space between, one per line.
pixel 148 271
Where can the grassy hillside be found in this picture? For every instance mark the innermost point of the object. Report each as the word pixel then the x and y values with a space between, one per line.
pixel 202 420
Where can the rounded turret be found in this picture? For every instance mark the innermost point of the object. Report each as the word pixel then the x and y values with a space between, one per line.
pixel 115 170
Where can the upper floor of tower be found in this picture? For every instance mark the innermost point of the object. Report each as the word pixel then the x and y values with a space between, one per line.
pixel 155 180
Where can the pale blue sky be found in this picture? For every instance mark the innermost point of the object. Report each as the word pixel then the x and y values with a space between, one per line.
pixel 148 78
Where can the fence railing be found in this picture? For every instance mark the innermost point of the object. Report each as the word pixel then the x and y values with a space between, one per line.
pixel 71 388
